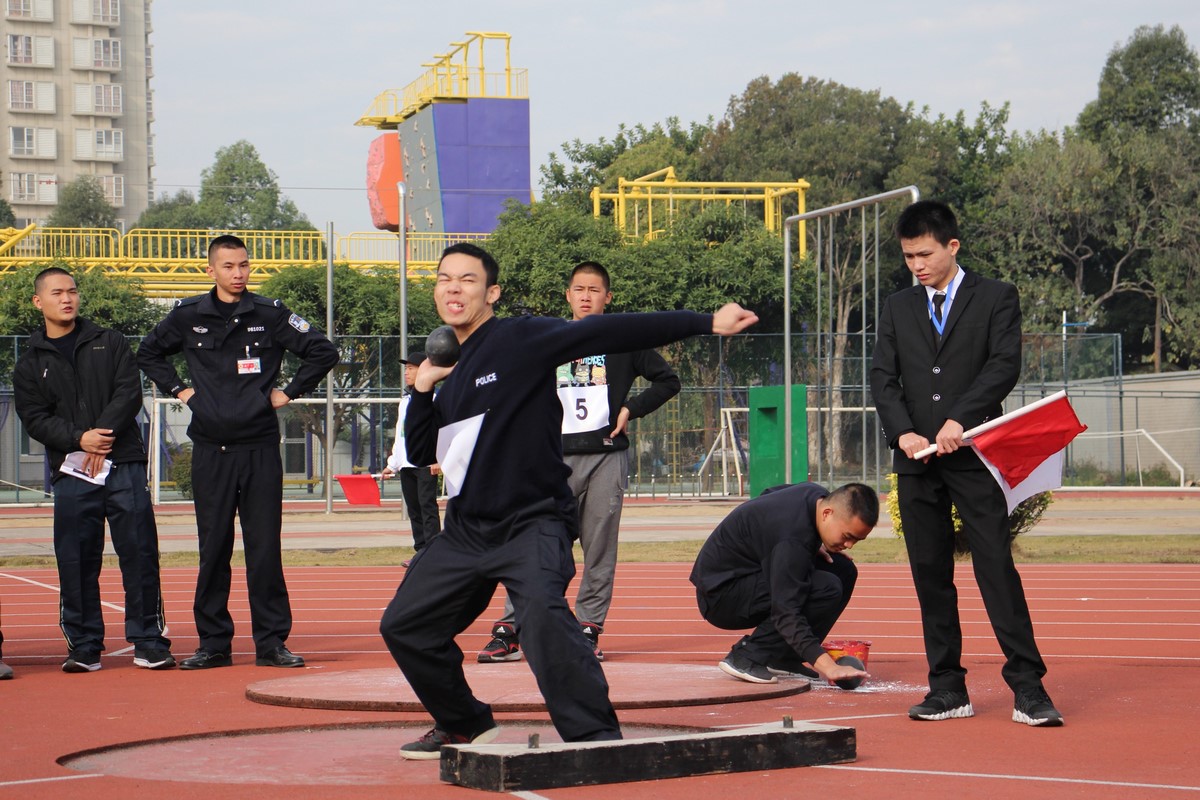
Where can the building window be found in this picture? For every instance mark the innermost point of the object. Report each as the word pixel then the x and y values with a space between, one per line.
pixel 35 10
pixel 106 53
pixel 20 49
pixel 20 96
pixel 110 145
pixel 20 142
pixel 37 96
pixel 32 51
pixel 31 187
pixel 114 189
pixel 108 99
pixel 106 11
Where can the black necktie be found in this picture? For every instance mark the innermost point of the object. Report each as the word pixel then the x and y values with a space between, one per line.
pixel 938 299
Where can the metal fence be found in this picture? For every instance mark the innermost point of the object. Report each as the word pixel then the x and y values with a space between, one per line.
pixel 1141 430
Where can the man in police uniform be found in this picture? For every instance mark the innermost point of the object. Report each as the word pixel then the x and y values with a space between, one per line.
pixel 234 341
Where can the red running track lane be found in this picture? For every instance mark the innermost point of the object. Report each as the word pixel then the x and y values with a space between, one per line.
pixel 1122 644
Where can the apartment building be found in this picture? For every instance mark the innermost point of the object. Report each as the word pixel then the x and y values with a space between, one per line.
pixel 77 101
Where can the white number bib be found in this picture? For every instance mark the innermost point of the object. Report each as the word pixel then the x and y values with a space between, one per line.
pixel 585 408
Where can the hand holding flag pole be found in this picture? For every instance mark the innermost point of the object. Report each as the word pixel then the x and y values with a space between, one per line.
pixel 1023 449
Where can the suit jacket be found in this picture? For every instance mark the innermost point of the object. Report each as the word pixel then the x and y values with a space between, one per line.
pixel 917 385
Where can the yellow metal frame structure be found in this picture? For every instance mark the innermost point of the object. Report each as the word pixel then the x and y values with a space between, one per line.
pixel 637 197
pixel 451 76
pixel 171 263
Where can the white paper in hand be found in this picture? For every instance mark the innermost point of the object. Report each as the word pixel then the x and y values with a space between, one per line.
pixel 455 445
pixel 73 465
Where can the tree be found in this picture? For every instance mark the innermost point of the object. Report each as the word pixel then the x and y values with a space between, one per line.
pixel 81 204
pixel 7 218
pixel 239 192
pixel 113 301
pixel 180 212
pixel 365 308
pixel 1150 84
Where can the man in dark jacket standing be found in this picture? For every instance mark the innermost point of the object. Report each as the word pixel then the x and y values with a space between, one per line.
pixel 78 393
pixel 947 353
pixel 234 343
pixel 777 564
pixel 597 408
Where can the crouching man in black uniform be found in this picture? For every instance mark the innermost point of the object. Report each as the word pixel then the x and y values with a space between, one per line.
pixel 234 343
pixel 496 429
pixel 777 564
pixel 78 392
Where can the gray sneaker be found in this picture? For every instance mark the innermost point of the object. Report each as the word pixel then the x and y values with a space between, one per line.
pixel 744 669
pixel 6 672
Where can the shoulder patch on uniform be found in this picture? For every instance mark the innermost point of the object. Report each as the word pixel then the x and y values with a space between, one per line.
pixel 187 301
pixel 265 301
pixel 299 323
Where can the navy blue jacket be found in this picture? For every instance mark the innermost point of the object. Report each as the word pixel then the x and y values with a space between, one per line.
pixel 506 371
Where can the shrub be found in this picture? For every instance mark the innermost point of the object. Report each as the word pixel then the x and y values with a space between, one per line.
pixel 1021 520
pixel 179 468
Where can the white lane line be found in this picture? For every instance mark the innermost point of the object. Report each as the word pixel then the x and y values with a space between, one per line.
pixel 4 784
pixel 993 776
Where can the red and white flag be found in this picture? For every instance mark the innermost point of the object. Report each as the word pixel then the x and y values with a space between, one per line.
pixel 1024 449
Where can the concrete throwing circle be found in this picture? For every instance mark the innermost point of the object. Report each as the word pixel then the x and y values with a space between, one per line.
pixel 322 755
pixel 511 687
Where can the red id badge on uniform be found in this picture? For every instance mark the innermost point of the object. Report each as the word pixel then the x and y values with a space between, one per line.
pixel 249 366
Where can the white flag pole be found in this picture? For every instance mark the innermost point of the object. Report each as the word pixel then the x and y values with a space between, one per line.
pixel 998 421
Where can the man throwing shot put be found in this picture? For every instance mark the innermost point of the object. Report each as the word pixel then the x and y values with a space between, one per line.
pixel 495 428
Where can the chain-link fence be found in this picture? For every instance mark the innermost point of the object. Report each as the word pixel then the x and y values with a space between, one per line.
pixel 1141 430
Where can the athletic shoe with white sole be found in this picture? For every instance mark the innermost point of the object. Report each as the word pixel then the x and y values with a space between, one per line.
pixel 81 661
pixel 943 704
pixel 1034 707
pixel 153 658
pixel 503 646
pixel 744 669
pixel 429 746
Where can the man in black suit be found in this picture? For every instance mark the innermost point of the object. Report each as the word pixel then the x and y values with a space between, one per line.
pixel 947 353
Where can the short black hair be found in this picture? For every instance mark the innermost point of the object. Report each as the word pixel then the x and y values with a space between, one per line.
pixel 858 500
pixel 928 217
pixel 490 267
pixel 225 241
pixel 593 268
pixel 40 278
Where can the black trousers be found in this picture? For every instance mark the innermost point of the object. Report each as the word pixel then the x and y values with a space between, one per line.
pixel 80 510
pixel 746 603
pixel 250 484
pixel 450 583
pixel 420 490
pixel 929 537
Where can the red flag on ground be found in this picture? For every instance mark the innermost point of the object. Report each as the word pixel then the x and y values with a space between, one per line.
pixel 360 490
pixel 1023 449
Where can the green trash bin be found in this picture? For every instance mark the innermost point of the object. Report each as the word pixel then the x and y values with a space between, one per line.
pixel 767 453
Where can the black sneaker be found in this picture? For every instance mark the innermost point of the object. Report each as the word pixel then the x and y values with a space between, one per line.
pixel 429 746
pixel 153 658
pixel 1033 707
pixel 943 704
pixel 795 671
pixel 82 661
pixel 592 632
pixel 745 669
pixel 503 646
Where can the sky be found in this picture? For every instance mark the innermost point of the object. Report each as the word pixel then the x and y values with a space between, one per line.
pixel 292 76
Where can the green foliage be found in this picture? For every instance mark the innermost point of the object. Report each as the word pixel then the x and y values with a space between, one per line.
pixel 7 218
pixel 239 192
pixel 1022 519
pixel 112 301
pixel 81 204
pixel 180 212
pixel 1150 84
pixel 179 469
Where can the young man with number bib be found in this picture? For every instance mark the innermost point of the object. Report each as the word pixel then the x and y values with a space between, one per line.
pixel 496 430
pixel 594 392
